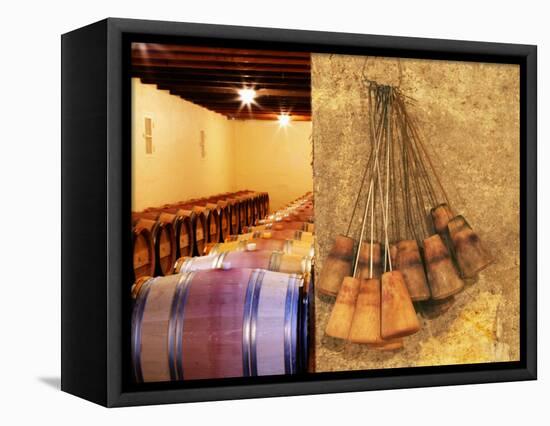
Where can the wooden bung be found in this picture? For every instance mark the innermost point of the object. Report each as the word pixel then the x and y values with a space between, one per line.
pixel 471 256
pixel 409 262
pixel 443 277
pixel 337 265
pixel 398 317
pixel 340 319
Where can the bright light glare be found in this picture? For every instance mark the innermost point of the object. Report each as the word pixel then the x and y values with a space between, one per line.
pixel 284 120
pixel 247 96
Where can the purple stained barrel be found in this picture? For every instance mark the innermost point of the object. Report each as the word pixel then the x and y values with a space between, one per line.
pixel 215 324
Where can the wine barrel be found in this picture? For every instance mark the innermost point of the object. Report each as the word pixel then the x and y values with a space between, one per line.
pixel 181 225
pixel 215 324
pixel 225 226
pixel 164 243
pixel 243 211
pixel 266 204
pixel 285 234
pixel 190 243
pixel 255 203
pixel 214 226
pixel 143 251
pixel 222 210
pixel 233 216
pixel 254 213
pixel 281 225
pixel 185 236
pixel 197 221
pixel 271 260
pixel 212 223
pixel 300 248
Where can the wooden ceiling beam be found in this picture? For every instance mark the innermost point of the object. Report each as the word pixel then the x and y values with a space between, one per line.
pixel 224 97
pixel 234 92
pixel 236 111
pixel 273 117
pixel 234 85
pixel 237 105
pixel 154 47
pixel 210 77
pixel 223 104
pixel 163 63
pixel 200 57
pixel 176 73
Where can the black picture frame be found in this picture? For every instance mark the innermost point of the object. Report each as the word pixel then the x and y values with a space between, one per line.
pixel 96 212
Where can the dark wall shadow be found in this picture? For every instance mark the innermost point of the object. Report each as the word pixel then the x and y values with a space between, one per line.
pixel 54 382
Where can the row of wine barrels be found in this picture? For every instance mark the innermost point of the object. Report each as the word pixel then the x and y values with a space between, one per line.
pixel 197 220
pixel 244 207
pixel 270 260
pixel 284 234
pixel 181 224
pixel 299 210
pixel 162 237
pixel 174 232
pixel 300 248
pixel 282 224
pixel 217 324
pixel 265 255
pixel 225 215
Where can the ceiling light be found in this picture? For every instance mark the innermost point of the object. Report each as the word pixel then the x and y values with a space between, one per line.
pixel 247 96
pixel 284 120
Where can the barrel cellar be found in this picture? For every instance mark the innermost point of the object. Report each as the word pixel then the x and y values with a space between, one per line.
pixel 223 227
pixel 239 310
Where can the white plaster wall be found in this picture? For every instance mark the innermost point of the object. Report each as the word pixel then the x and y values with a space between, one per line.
pixel 240 154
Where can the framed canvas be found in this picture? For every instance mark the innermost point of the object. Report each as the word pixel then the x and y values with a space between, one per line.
pixel 255 212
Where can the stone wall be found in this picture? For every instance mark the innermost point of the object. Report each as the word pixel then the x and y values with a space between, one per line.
pixel 469 115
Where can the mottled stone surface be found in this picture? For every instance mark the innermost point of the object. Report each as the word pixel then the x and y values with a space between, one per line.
pixel 469 116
